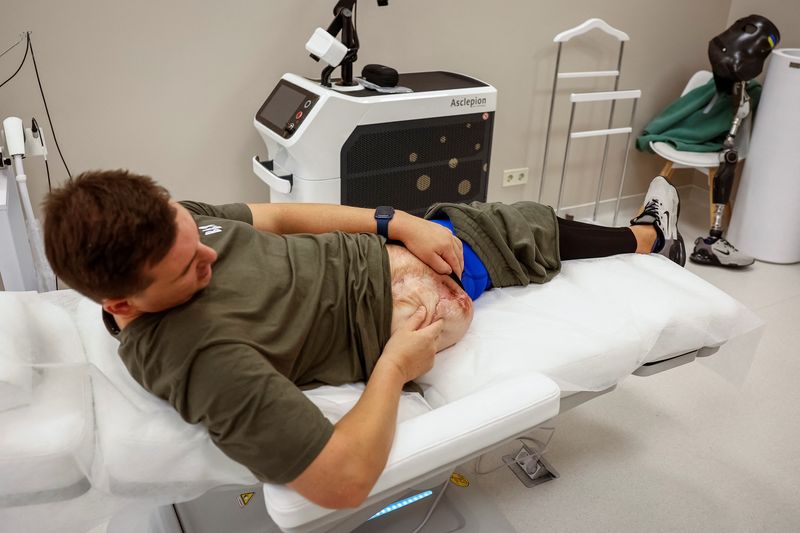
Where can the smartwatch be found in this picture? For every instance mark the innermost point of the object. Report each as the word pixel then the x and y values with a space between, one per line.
pixel 383 214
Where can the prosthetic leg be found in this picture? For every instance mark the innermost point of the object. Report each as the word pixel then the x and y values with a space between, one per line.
pixel 714 249
pixel 737 55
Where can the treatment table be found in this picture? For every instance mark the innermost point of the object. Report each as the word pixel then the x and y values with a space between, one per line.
pixel 81 440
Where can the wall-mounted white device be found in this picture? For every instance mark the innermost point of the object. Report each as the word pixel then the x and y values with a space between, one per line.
pixel 23 265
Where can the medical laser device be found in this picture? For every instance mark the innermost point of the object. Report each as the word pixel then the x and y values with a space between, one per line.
pixel 737 56
pixel 23 265
pixel 346 144
pixel 366 149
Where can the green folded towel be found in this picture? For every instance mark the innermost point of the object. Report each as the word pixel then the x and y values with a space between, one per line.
pixel 690 124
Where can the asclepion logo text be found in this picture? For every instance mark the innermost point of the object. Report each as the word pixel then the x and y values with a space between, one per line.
pixel 468 102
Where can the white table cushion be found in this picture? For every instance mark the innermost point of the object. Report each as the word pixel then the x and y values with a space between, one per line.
pixel 34 330
pixel 46 447
pixel 439 439
pixel 46 439
pixel 16 353
pixel 586 330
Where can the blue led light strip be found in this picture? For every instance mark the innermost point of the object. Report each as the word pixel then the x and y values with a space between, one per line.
pixel 399 504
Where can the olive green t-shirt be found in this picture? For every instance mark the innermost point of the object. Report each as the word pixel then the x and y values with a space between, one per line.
pixel 281 311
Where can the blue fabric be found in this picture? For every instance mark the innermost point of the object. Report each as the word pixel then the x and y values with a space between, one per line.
pixel 475 278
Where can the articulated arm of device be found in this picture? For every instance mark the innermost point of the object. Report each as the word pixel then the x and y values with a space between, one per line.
pixel 344 22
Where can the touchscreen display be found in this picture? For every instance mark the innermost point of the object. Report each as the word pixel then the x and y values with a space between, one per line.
pixel 281 106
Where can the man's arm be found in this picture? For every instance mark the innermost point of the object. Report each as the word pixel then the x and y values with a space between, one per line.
pixel 432 243
pixel 261 420
pixel 343 474
pixel 316 218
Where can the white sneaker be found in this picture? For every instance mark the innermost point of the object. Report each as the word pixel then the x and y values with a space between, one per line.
pixel 717 251
pixel 662 208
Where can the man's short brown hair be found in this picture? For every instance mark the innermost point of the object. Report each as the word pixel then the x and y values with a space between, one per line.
pixel 103 228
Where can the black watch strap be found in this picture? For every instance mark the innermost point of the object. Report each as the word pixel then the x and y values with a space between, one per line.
pixel 383 215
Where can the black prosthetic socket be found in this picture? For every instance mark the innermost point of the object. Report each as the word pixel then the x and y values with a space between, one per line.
pixel 738 53
pixel 723 179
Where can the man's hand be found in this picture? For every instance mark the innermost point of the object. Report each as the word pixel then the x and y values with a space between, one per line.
pixel 412 348
pixel 433 244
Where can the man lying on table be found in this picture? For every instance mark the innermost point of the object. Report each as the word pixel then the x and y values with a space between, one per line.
pixel 226 311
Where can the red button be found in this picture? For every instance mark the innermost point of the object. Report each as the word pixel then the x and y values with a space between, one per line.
pixel 299 115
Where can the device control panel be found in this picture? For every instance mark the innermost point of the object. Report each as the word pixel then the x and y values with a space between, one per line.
pixel 286 108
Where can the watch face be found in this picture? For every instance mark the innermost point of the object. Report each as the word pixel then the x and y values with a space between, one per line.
pixel 384 212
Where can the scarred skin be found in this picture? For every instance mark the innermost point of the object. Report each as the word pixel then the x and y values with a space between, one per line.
pixel 415 284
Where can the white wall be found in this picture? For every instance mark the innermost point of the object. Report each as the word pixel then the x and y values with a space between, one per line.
pixel 170 88
pixel 785 14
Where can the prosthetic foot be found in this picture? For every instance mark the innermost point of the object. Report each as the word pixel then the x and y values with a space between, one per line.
pixel 719 252
pixel 662 208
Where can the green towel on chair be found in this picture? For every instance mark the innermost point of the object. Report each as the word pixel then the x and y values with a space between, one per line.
pixel 688 126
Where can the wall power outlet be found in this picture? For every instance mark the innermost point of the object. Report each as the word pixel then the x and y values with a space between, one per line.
pixel 515 176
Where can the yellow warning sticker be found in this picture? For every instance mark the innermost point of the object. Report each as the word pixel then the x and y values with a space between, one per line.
pixel 458 479
pixel 244 498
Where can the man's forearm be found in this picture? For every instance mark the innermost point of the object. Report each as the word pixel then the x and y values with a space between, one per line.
pixel 435 245
pixel 371 423
pixel 320 218
pixel 356 453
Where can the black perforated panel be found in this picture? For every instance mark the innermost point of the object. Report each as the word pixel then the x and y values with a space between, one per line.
pixel 413 164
